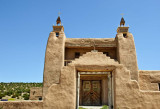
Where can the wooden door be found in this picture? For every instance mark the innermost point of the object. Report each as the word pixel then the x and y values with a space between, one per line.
pixel 91 93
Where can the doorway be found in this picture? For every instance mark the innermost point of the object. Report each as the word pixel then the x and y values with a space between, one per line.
pixel 91 93
pixel 94 89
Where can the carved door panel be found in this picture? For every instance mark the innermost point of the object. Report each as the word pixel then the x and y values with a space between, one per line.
pixel 91 93
pixel 86 99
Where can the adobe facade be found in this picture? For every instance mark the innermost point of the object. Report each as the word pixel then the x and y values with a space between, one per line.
pixel 85 72
pixel 97 71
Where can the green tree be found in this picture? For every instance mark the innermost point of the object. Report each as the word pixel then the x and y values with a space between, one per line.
pixel 2 95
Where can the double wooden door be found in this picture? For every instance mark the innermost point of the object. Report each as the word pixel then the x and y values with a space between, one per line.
pixel 91 92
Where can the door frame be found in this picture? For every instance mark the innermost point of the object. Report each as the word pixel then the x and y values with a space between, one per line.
pixel 79 73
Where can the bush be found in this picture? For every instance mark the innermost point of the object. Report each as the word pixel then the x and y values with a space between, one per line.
pixel 105 107
pixel 26 96
pixel 17 89
pixel 17 94
pixel 81 108
pixel 2 95
pixel 13 96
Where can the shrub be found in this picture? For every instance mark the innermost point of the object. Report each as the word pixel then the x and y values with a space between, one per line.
pixel 13 96
pixel 26 96
pixel 105 107
pixel 17 89
pixel 2 95
pixel 81 108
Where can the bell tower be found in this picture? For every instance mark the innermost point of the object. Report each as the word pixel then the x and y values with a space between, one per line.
pixel 123 29
pixel 54 56
pixel 58 27
pixel 126 51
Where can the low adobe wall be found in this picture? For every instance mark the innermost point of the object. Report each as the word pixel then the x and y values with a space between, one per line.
pixel 21 104
pixel 148 80
pixel 128 94
pixel 35 93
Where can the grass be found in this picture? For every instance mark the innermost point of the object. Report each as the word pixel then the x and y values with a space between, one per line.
pixel 81 108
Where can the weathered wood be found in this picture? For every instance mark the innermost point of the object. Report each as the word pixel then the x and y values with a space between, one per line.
pixel 91 93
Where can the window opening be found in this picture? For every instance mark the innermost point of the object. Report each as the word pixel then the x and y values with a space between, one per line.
pixel 124 35
pixel 57 34
pixel 106 53
pixel 40 98
pixel 77 54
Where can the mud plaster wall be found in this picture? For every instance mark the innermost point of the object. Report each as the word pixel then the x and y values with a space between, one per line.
pixel 126 54
pixel 35 93
pixel 129 96
pixel 21 104
pixel 54 60
pixel 88 42
pixel 70 52
pixel 63 95
pixel 148 80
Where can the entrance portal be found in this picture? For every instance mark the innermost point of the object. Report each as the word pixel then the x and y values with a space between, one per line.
pixel 91 93
pixel 94 89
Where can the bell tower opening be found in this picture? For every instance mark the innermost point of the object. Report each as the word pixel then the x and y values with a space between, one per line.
pixel 57 34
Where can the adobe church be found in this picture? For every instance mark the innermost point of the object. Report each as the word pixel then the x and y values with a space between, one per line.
pixel 92 72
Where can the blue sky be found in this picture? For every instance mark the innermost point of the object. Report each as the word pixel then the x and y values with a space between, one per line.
pixel 25 26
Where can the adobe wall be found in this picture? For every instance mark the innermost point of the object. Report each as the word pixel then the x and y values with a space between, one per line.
pixel 70 52
pixel 63 95
pixel 54 60
pixel 21 104
pixel 148 80
pixel 126 53
pixel 88 42
pixel 35 93
pixel 129 95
